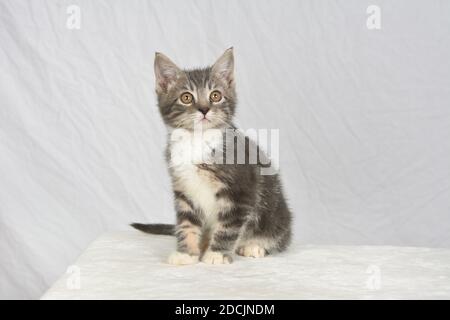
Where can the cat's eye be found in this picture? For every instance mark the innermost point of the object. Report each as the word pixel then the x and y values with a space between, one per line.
pixel 186 98
pixel 215 96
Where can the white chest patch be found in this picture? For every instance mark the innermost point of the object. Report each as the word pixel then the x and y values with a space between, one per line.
pixel 187 150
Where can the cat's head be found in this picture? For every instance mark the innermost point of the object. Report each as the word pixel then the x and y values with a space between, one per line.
pixel 199 97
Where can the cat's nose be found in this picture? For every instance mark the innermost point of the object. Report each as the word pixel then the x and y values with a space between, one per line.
pixel 204 110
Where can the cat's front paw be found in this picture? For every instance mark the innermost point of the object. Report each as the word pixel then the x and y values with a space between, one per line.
pixel 181 258
pixel 213 257
pixel 252 250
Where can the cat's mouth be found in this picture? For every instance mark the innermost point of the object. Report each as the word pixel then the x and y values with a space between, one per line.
pixel 204 123
pixel 204 119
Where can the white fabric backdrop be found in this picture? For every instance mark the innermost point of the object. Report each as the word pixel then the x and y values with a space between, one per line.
pixel 364 118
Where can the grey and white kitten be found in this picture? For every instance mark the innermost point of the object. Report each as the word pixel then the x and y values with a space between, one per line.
pixel 221 207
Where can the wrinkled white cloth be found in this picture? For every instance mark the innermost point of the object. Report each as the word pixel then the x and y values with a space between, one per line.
pixel 132 265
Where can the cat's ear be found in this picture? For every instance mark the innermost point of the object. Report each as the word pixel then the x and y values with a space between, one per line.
pixel 166 73
pixel 223 69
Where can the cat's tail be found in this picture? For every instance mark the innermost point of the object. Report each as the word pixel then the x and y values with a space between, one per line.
pixel 155 228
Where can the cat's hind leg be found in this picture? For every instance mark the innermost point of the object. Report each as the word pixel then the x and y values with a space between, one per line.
pixel 255 248
pixel 251 250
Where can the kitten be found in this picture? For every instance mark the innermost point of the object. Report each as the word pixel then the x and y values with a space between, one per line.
pixel 221 207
